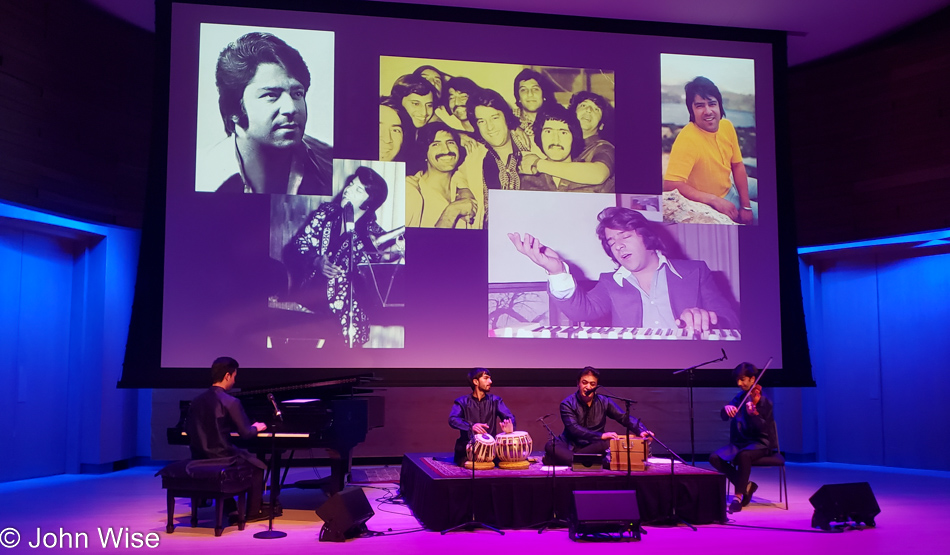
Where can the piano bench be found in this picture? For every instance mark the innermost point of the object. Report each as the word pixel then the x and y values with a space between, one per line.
pixel 216 479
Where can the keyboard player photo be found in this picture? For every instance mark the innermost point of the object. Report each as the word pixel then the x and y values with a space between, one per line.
pixel 647 289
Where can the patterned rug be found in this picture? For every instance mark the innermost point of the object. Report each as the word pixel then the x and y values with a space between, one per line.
pixel 445 468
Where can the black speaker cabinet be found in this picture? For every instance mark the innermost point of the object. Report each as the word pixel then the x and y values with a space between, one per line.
pixel 344 515
pixel 605 512
pixel 854 502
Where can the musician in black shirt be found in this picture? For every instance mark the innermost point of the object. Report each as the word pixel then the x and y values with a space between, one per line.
pixel 584 414
pixel 213 416
pixel 750 435
pixel 478 413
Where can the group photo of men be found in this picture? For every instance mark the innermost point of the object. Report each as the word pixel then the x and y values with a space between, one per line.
pixel 464 128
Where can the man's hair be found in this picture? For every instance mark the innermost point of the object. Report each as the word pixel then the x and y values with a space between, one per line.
pixel 442 75
pixel 237 65
pixel 412 84
pixel 556 112
pixel 476 373
pixel 405 121
pixel 221 367
pixel 547 87
pixel 461 84
pixel 491 99
pixel 588 370
pixel 705 89
pixel 625 219
pixel 428 132
pixel 606 112
pixel 376 189
pixel 744 370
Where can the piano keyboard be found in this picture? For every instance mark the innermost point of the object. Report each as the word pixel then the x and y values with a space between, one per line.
pixel 586 332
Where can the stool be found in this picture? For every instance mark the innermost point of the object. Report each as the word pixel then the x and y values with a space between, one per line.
pixel 217 479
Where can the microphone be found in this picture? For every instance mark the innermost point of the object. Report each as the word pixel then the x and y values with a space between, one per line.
pixel 593 389
pixel 270 397
pixel 546 416
pixel 724 357
pixel 348 224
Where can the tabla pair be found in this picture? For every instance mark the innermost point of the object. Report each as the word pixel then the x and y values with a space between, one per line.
pixel 512 451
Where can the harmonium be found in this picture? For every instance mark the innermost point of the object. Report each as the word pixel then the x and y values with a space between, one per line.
pixel 639 452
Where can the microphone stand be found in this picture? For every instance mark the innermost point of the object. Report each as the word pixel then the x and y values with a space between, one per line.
pixel 351 268
pixel 673 519
pixel 689 400
pixel 472 523
pixel 270 533
pixel 555 521
pixel 627 403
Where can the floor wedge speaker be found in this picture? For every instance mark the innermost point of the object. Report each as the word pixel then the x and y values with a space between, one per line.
pixel 843 503
pixel 344 515
pixel 605 512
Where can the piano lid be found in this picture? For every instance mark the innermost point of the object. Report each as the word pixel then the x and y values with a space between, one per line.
pixel 333 387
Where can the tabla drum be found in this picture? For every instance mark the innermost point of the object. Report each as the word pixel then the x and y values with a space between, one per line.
pixel 513 450
pixel 484 452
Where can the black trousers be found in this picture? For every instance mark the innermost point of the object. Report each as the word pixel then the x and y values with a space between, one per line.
pixel 736 463
pixel 561 454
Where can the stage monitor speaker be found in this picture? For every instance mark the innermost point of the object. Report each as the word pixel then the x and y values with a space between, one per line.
pixel 842 503
pixel 605 512
pixel 344 515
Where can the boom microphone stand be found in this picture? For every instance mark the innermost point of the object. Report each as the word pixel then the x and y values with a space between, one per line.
pixel 555 521
pixel 673 518
pixel 689 400
pixel 472 523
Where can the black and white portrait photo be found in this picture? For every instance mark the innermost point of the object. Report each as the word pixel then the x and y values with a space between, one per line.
pixel 265 111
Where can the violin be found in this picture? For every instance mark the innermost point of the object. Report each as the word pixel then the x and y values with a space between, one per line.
pixel 755 395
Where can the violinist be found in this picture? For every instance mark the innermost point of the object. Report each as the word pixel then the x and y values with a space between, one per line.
pixel 750 431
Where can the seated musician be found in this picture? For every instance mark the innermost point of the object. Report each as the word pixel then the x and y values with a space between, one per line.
pixel 648 289
pixel 212 417
pixel 584 414
pixel 750 435
pixel 478 413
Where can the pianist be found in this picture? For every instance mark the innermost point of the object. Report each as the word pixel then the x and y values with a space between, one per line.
pixel 478 413
pixel 213 416
pixel 647 290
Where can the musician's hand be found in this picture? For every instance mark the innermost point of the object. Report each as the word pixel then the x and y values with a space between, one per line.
pixel 543 256
pixel 609 435
pixel 726 207
pixel 647 435
pixel 698 319
pixel 259 426
pixel 480 428
pixel 746 216
pixel 327 268
pixel 506 426
pixel 731 410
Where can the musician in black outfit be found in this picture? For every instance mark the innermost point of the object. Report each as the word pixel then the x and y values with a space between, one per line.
pixel 584 414
pixel 750 435
pixel 478 413
pixel 213 416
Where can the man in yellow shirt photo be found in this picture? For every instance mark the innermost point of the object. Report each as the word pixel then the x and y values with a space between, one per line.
pixel 705 163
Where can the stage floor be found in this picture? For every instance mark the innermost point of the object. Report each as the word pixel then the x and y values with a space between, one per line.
pixel 439 492
pixel 915 507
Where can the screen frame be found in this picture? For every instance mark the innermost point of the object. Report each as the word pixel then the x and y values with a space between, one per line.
pixel 142 367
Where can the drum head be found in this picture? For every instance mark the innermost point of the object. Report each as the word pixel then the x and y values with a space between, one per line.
pixel 484 439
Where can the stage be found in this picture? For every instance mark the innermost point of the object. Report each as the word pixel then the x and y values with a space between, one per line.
pixel 439 493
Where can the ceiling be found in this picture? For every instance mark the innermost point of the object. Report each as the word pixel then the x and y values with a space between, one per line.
pixel 817 27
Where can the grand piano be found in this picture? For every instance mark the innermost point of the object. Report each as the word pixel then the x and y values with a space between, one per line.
pixel 333 414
